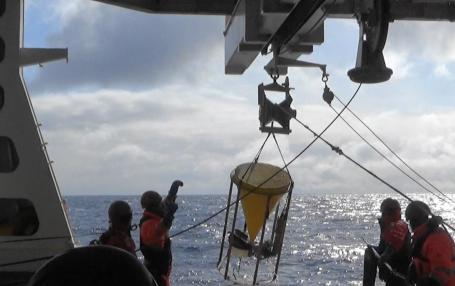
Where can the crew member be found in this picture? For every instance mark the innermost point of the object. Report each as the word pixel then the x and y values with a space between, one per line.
pixel 118 234
pixel 392 255
pixel 433 249
pixel 155 243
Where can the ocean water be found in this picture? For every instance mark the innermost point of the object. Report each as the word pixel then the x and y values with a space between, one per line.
pixel 323 243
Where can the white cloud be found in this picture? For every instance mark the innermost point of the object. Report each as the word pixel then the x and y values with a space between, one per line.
pixel 116 141
pixel 169 111
pixel 112 47
pixel 417 138
pixel 103 135
pixel 66 11
pixel 423 41
pixel 441 70
pixel 399 62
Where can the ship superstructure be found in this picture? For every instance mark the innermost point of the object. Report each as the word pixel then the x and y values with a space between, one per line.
pixel 33 221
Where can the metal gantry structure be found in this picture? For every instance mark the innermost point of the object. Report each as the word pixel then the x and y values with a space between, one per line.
pixel 291 28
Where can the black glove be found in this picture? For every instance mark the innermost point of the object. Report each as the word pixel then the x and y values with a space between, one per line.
pixel 169 216
pixel 173 190
pixel 172 208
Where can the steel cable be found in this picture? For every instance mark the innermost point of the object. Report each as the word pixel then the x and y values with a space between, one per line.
pixel 388 160
pixel 340 152
pixel 394 153
pixel 277 172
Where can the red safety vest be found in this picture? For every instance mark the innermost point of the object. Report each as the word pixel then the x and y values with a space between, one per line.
pixel 152 231
pixel 118 239
pixel 395 234
pixel 156 247
pixel 435 254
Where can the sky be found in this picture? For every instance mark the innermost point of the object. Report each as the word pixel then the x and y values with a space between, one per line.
pixel 144 100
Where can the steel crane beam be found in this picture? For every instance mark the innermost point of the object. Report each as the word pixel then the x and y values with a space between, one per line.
pixel 419 10
pixel 191 7
pixel 303 13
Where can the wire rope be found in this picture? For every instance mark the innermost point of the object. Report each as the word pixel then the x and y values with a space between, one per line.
pixel 340 152
pixel 223 209
pixel 281 154
pixel 387 159
pixel 277 172
pixel 394 153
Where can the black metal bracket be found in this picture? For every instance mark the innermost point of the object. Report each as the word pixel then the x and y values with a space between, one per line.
pixel 270 112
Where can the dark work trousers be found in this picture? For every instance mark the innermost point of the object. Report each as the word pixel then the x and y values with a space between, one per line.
pixel 370 266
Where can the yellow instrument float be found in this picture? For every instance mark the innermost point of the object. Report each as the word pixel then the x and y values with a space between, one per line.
pixel 260 190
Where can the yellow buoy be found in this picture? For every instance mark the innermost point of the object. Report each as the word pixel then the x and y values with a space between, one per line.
pixel 259 198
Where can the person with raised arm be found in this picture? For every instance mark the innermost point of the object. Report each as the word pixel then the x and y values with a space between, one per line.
pixel 155 223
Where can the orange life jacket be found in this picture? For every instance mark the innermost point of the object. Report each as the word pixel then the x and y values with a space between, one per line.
pixel 156 247
pixel 395 234
pixel 434 254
